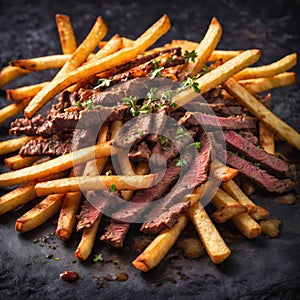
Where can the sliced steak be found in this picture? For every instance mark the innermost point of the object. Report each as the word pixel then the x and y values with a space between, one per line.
pixel 249 136
pixel 27 126
pixel 261 177
pixel 88 216
pixel 115 233
pixel 53 147
pixel 134 209
pixel 141 154
pixel 271 163
pixel 213 122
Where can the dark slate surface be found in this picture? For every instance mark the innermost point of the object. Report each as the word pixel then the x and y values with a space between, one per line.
pixel 259 269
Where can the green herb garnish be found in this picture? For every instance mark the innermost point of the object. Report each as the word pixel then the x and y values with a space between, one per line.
pixel 98 257
pixel 151 95
pixel 108 173
pixel 181 133
pixel 131 102
pixel 197 145
pixel 190 55
pixel 181 163
pixel 190 82
pixel 78 104
pixel 102 83
pixel 89 104
pixel 113 188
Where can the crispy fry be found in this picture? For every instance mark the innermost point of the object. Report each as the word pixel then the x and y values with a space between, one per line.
pixel 13 145
pixel 266 138
pixel 24 92
pixel 216 54
pixel 235 192
pixel 56 165
pixel 244 223
pixel 10 73
pixel 160 246
pixel 126 42
pixel 210 237
pixel 87 241
pixel 279 127
pixel 91 183
pixel 218 75
pixel 258 85
pixel 112 46
pixel 66 34
pixel 120 57
pixel 273 69
pixel 12 109
pixel 18 162
pixel 204 49
pixel 39 214
pixel 42 63
pixel 222 172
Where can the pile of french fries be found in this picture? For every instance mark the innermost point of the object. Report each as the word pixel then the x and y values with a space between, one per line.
pixel 55 178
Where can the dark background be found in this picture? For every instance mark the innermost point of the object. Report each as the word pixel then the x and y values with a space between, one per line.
pixel 259 269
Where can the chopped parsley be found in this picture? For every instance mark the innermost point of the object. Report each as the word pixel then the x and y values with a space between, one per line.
pixel 108 173
pixel 190 82
pixel 204 70
pixel 190 56
pixel 151 95
pixel 156 72
pixel 167 96
pixel 181 133
pixel 164 142
pixel 197 145
pixel 181 163
pixel 145 109
pixel 170 60
pixel 113 188
pixel 102 82
pixel 89 104
pixel 98 257
pixel 78 104
pixel 131 102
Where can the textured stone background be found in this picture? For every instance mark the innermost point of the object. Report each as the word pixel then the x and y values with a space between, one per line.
pixel 259 269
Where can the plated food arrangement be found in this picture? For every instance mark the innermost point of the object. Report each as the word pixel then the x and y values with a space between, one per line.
pixel 147 136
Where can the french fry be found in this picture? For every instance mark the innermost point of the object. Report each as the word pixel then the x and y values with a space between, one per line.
pixel 244 223
pixel 13 145
pixel 10 73
pixel 216 54
pixel 227 207
pixel 258 85
pixel 18 162
pixel 266 138
pixel 222 172
pixel 56 165
pixel 279 127
pixel 12 109
pixel 39 214
pixel 24 92
pixel 218 75
pixel 235 192
pixel 66 34
pixel 126 42
pixel 92 183
pixel 204 49
pixel 87 241
pixel 17 197
pixel 215 246
pixel 160 246
pixel 88 70
pixel 273 69
pixel 42 63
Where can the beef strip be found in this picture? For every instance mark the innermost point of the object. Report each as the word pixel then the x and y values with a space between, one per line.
pixel 249 136
pixel 261 177
pixel 115 233
pixel 141 154
pixel 134 209
pixel 26 126
pixel 88 216
pixel 271 163
pixel 213 122
pixel 53 147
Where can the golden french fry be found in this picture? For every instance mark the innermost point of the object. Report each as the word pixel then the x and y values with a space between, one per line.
pixel 17 197
pixel 87 241
pixel 66 34
pixel 18 162
pixel 90 69
pixel 216 54
pixel 258 85
pixel 56 165
pixel 244 223
pixel 10 73
pixel 12 109
pixel 266 138
pixel 126 42
pixel 225 213
pixel 13 145
pixel 24 92
pixel 92 183
pixel 222 172
pixel 218 75
pixel 235 192
pixel 279 127
pixel 273 69
pixel 42 63
pixel 39 214
pixel 204 49
pixel 210 237
pixel 160 246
